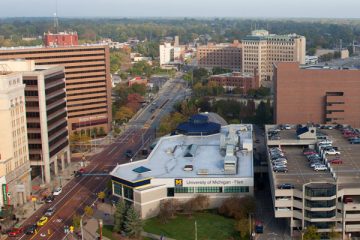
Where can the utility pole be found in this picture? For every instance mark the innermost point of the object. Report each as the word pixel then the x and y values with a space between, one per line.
pixel 195 231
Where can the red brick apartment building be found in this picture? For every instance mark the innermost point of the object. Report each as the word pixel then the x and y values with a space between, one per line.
pixel 316 95
pixel 240 80
pixel 88 82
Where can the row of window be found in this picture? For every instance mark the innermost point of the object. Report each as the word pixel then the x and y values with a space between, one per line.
pixel 212 189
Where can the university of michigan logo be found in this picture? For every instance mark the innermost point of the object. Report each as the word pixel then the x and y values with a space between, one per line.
pixel 178 182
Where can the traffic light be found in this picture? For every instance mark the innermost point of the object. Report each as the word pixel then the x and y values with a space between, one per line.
pixel 71 229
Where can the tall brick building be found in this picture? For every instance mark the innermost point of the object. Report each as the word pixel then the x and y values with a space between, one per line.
pixel 61 39
pixel 316 95
pixel 88 82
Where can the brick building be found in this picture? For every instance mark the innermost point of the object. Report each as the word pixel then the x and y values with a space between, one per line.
pixel 316 95
pixel 61 39
pixel 88 82
pixel 237 80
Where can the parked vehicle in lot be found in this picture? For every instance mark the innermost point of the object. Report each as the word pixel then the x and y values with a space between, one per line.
pixel 29 230
pixel 347 199
pixel 283 160
pixel 315 163
pixel 332 152
pixel 287 127
pixel 336 161
pixel 259 227
pixel 309 152
pixel 42 221
pixel 315 157
pixel 57 191
pixel 326 141
pixel 50 212
pixel 355 141
pixel 281 170
pixel 320 168
pixel 16 231
pixel 286 186
pixel 49 198
pixel 129 153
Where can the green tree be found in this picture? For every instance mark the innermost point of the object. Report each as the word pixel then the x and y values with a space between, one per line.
pixel 311 233
pixel 219 70
pixel 76 221
pixel 101 131
pixel 133 223
pixel 119 216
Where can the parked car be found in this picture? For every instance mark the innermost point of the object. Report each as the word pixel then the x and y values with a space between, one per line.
pixel 355 141
pixel 29 230
pixel 286 186
pixel 281 169
pixel 347 199
pixel 324 141
pixel 16 231
pixel 287 127
pixel 49 198
pixel 129 153
pixel 42 221
pixel 332 152
pixel 336 161
pixel 311 152
pixel 57 191
pixel 320 168
pixel 315 163
pixel 50 212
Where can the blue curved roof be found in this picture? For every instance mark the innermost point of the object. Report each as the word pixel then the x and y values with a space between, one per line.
pixel 198 125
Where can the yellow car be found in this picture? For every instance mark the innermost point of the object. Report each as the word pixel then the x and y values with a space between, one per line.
pixel 42 221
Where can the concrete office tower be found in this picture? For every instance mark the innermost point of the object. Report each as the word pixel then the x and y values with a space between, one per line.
pixel 261 50
pixel 88 82
pixel 15 169
pixel 166 52
pixel 315 95
pixel 46 116
pixel 224 55
pixel 176 41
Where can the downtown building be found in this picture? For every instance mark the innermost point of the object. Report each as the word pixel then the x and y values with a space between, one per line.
pixel 316 95
pixel 46 116
pixel 88 82
pixel 203 159
pixel 261 50
pixel 15 169
pixel 224 55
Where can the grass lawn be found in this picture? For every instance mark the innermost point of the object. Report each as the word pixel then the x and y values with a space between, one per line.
pixel 107 231
pixel 210 226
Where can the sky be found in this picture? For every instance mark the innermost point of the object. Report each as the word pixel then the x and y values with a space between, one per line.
pixel 182 8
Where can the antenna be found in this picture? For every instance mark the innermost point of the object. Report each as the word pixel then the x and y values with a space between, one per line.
pixel 56 21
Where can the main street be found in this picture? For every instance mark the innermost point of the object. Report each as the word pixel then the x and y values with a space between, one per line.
pixel 82 191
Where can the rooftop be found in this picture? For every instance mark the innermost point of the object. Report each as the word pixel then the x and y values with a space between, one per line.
pixel 346 174
pixel 183 156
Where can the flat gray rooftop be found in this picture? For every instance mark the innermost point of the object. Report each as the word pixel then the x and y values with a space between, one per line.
pixel 167 159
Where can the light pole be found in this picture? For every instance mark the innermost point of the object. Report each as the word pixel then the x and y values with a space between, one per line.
pixel 81 227
pixel 100 228
pixel 195 231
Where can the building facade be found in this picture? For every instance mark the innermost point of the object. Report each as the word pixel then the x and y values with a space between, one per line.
pixel 184 166
pixel 238 80
pixel 46 116
pixel 228 56
pixel 15 169
pixel 165 53
pixel 261 50
pixel 316 95
pixel 88 81
pixel 61 39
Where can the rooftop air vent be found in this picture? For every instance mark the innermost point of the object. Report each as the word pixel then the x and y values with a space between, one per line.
pixel 188 168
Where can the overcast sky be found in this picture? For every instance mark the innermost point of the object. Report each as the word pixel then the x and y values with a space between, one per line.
pixel 182 8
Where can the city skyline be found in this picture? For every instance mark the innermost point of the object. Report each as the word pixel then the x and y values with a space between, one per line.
pixel 185 8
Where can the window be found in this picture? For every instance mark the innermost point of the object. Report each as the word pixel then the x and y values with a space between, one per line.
pixel 184 189
pixel 170 192
pixel 208 189
pixel 128 193
pixel 117 188
pixel 236 189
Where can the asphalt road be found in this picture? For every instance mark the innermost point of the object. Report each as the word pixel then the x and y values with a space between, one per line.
pixel 82 191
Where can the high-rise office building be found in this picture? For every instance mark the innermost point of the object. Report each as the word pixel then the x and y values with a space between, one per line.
pixel 14 156
pixel 166 53
pixel 88 82
pixel 261 50
pixel 46 116
pixel 224 55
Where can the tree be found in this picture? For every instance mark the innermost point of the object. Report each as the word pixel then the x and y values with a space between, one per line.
pixel 76 221
pixel 133 223
pixel 242 226
pixel 89 211
pixel 124 114
pixel 201 202
pixel 119 216
pixel 168 209
pixel 101 196
pixel 334 235
pixel 219 70
pixel 101 131
pixel 311 233
pixel 238 208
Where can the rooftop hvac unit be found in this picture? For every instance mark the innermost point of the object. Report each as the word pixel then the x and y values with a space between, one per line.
pixel 188 168
pixel 203 172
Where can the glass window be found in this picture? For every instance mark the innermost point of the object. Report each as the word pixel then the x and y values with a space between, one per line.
pixel 236 189
pixel 117 189
pixel 208 189
pixel 184 189
pixel 128 193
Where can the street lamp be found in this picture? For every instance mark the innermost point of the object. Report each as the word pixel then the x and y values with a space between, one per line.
pixel 100 228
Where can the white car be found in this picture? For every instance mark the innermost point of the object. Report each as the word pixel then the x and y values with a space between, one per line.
pixel 57 191
pixel 332 152
pixel 320 168
pixel 287 127
pixel 325 141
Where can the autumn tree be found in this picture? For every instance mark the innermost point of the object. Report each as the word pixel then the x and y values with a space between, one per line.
pixel 124 114
pixel 89 211
pixel 311 233
pixel 242 226
pixel 168 209
pixel 101 196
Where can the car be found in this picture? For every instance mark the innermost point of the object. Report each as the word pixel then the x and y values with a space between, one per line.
pixel 283 209
pixel 309 153
pixel 42 221
pixel 332 152
pixel 49 212
pixel 129 153
pixel 336 161
pixel 281 169
pixel 286 186
pixel 81 170
pixel 49 198
pixel 326 141
pixel 31 229
pixel 15 231
pixel 284 160
pixel 347 199
pixel 355 141
pixel 287 127
pixel 57 191
pixel 314 164
pixel 320 168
